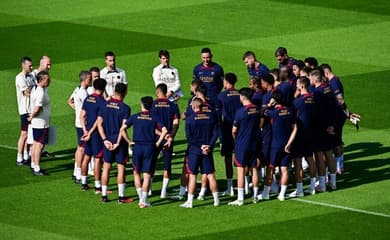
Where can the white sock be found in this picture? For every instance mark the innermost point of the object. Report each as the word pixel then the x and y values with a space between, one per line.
pixel 25 155
pixel 202 191
pixel 144 197
pixel 104 190
pixel 283 189
pixel 139 192
pixel 32 164
pixel 98 184
pixel 255 192
pixel 182 191
pixel 229 184
pixel 19 157
pixel 150 187
pixel 74 169
pixel 78 173
pixel 322 182
pixel 121 189
pixel 37 168
pixel 299 187
pixel 215 196
pixel 164 186
pixel 83 179
pixel 240 194
pixel 313 183
pixel 247 179
pixel 190 198
pixel 333 179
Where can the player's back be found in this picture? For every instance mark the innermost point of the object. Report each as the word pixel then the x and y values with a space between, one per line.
pixel 144 126
pixel 92 105
pixel 247 120
pixel 282 119
pixel 114 111
pixel 229 103
pixel 165 112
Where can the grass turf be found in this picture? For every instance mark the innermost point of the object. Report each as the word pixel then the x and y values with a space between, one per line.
pixel 349 35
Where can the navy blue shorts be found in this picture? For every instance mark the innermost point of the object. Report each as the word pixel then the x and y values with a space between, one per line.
pixel 80 133
pixel 196 160
pixel 24 122
pixel 144 158
pixel 303 144
pixel 119 155
pixel 278 157
pixel 41 135
pixel 227 139
pixel 267 138
pixel 94 146
pixel 245 157
pixel 338 129
pixel 323 141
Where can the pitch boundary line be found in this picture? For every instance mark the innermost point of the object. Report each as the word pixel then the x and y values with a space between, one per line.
pixel 8 147
pixel 342 207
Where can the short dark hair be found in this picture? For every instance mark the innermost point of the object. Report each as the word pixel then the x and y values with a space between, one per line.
pixel 300 64
pixel 24 59
pixel 41 74
pixel 94 69
pixel 317 73
pixel 164 53
pixel 109 54
pixel 304 81
pixel 256 80
pixel 268 78
pixel 249 54
pixel 147 102
pixel 278 97
pixel 231 78
pixel 280 51
pixel 121 89
pixel 163 88
pixel 83 74
pixel 307 70
pixel 246 92
pixel 205 50
pixel 326 66
pixel 196 82
pixel 312 61
pixel 199 101
pixel 202 89
pixel 100 84
pixel 275 71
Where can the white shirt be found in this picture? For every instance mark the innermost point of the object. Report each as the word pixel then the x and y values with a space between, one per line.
pixel 168 75
pixel 112 78
pixel 79 95
pixel 90 90
pixel 24 82
pixel 39 97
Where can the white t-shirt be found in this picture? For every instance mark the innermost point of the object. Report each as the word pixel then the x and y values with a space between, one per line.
pixel 79 95
pixel 112 78
pixel 24 82
pixel 168 75
pixel 39 97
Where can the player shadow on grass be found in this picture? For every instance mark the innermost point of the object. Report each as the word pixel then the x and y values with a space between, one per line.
pixel 359 172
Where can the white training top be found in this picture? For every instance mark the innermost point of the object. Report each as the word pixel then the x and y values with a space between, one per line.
pixel 79 95
pixel 112 78
pixel 168 75
pixel 24 82
pixel 90 90
pixel 39 97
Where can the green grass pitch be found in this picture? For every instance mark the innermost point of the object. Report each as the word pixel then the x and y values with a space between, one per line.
pixel 351 35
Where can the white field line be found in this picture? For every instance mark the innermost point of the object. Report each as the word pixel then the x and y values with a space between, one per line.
pixel 8 147
pixel 342 207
